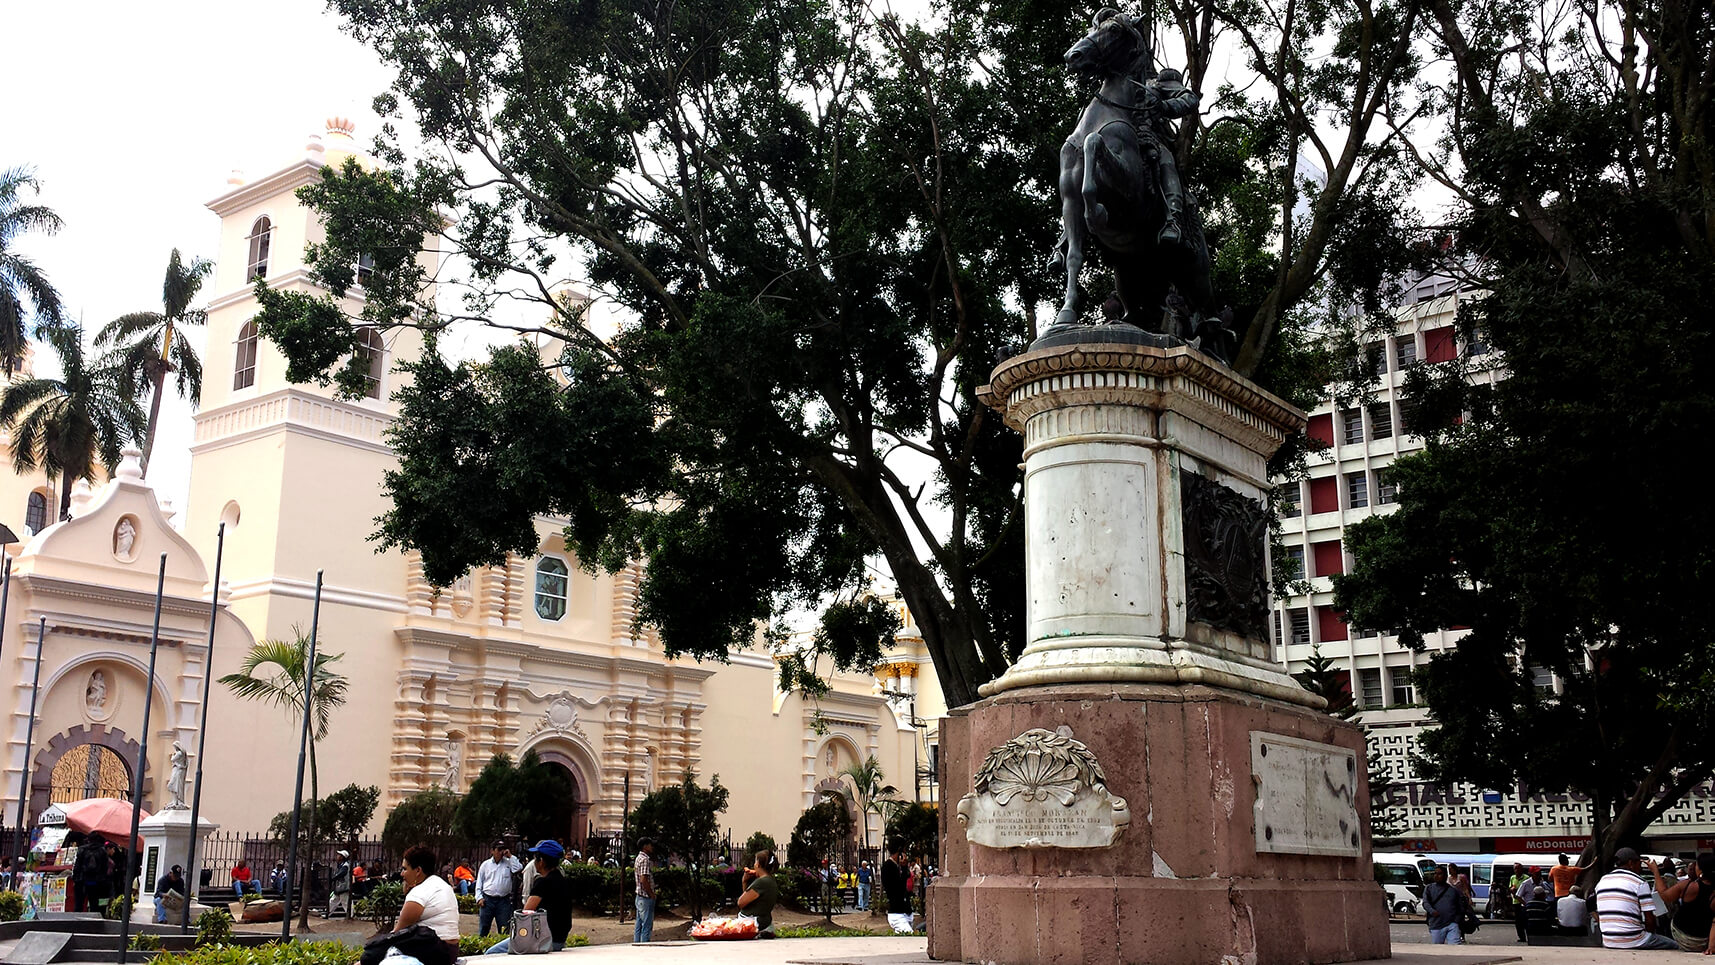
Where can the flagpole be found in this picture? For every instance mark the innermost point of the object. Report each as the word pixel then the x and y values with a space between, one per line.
pixel 303 747
pixel 202 727
pixel 136 858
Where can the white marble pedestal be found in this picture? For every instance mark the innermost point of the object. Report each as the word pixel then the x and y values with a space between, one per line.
pixel 166 842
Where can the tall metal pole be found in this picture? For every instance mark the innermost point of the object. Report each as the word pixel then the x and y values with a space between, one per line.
pixel 624 843
pixel 5 597
pixel 202 728
pixel 303 748
pixel 30 732
pixel 136 857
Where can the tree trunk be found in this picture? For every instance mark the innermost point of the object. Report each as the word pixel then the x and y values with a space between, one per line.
pixel 160 383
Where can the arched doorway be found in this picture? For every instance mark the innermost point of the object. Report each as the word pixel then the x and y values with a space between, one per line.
pixel 86 771
pixel 572 804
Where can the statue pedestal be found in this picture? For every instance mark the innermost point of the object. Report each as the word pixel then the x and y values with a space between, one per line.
pixel 166 842
pixel 1145 784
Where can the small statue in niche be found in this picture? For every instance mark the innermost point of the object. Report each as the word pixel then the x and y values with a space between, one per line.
pixel 179 765
pixel 95 695
pixel 124 538
pixel 455 764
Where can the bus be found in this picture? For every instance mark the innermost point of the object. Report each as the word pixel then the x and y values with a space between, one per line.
pixel 1401 874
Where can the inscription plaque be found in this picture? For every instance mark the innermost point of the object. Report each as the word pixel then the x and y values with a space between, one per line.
pixel 1306 796
pixel 1042 789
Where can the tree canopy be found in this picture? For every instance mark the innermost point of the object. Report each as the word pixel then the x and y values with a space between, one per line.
pixel 25 291
pixel 508 798
pixel 683 818
pixel 820 834
pixel 426 818
pixel 1552 511
pixel 821 225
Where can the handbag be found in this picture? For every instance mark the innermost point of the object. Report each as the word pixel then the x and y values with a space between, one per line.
pixel 418 941
pixel 530 935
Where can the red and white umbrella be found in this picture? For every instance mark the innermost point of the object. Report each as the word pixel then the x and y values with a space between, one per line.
pixel 106 816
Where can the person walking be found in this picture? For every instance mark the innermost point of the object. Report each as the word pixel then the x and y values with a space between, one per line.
pixel 894 876
pixel 761 892
pixel 339 902
pixel 494 890
pixel 1443 906
pixel 550 893
pixel 863 885
pixel 1625 906
pixel 644 872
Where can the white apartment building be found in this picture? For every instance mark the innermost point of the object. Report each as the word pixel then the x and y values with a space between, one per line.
pixel 1348 482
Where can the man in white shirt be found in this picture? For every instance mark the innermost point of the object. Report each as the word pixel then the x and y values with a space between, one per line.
pixel 1571 911
pixel 494 889
pixel 1625 907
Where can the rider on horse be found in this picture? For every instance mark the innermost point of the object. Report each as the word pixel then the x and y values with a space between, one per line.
pixel 1165 98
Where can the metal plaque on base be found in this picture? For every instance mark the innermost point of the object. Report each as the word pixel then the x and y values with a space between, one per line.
pixel 1042 789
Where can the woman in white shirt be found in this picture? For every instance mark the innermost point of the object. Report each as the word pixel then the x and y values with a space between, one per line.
pixel 429 900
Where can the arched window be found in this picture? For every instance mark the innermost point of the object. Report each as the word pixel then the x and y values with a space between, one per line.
pixel 260 232
pixel 244 363
pixel 551 580
pixel 374 350
pixel 36 514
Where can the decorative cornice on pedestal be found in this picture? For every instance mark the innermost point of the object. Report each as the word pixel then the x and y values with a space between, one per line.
pixel 1137 375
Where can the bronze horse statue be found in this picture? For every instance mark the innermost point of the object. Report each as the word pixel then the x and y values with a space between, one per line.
pixel 1120 194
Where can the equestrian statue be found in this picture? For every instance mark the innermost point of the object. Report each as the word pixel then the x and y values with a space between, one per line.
pixel 1120 191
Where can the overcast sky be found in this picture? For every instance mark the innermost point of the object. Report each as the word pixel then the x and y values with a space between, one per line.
pixel 133 114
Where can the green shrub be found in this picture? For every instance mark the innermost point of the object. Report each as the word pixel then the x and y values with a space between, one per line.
pixel 11 906
pixel 593 888
pixel 274 953
pixel 673 888
pixel 467 905
pixel 145 942
pixel 214 927
pixel 797 886
pixel 823 931
pixel 577 941
pixel 117 909
pixel 383 904
pixel 478 944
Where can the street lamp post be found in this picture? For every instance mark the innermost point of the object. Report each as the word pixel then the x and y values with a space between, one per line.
pixel 133 856
pixel 202 729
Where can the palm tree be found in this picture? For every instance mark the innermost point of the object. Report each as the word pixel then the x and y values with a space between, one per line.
pixel 147 346
pixel 868 793
pixel 273 672
pixel 20 279
pixel 65 426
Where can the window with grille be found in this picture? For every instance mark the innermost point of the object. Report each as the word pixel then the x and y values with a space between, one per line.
pixel 261 234
pixel 1370 682
pixel 1290 505
pixel 1479 343
pixel 1377 352
pixel 1404 694
pixel 1405 349
pixel 551 584
pixel 35 514
pixel 1381 420
pixel 365 268
pixel 1351 426
pixel 1299 617
pixel 373 350
pixel 1357 490
pixel 1291 563
pixel 1387 491
pixel 244 362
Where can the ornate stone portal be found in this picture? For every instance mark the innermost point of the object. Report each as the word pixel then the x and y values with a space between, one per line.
pixel 1224 821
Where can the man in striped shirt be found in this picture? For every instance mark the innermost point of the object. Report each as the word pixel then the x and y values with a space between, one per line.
pixel 1625 907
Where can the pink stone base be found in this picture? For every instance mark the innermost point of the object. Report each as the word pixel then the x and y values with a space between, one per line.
pixel 1185 882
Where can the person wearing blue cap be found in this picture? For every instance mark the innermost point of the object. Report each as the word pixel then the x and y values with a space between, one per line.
pixel 550 894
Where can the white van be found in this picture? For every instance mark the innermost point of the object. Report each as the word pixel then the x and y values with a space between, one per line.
pixel 1401 875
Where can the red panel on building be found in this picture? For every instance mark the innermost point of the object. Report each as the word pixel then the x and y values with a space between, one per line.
pixel 1321 428
pixel 1439 345
pixel 1329 626
pixel 1329 560
pixel 1325 495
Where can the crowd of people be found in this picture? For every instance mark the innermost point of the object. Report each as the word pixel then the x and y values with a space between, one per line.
pixel 1628 910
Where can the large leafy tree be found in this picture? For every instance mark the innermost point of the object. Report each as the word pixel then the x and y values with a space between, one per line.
pixel 822 225
pixel 279 672
pixel 683 819
pixel 868 792
pixel 1552 512
pixel 338 819
pixel 522 798
pixel 423 818
pixel 150 345
pixel 66 426
pixel 24 290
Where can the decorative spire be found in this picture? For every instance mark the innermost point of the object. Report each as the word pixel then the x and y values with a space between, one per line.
pixel 341 127
pixel 131 464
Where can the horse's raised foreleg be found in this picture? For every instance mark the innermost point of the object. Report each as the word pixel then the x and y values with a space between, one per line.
pixel 1095 155
pixel 1073 234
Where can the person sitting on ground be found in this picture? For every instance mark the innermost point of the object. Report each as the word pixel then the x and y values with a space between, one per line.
pixel 1695 910
pixel 429 900
pixel 243 879
pixel 277 878
pixel 1443 907
pixel 1539 913
pixel 1571 913
pixel 550 893
pixel 1625 906
pixel 761 892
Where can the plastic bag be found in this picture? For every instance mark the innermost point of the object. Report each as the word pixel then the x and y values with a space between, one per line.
pixel 716 928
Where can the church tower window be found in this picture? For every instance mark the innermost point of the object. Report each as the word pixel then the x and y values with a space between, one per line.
pixel 244 364
pixel 36 514
pixel 373 350
pixel 260 233
pixel 551 580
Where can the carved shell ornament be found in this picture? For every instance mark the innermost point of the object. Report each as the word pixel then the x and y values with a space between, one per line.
pixel 1037 765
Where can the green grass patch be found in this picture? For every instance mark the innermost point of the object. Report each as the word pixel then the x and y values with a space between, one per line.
pixel 823 931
